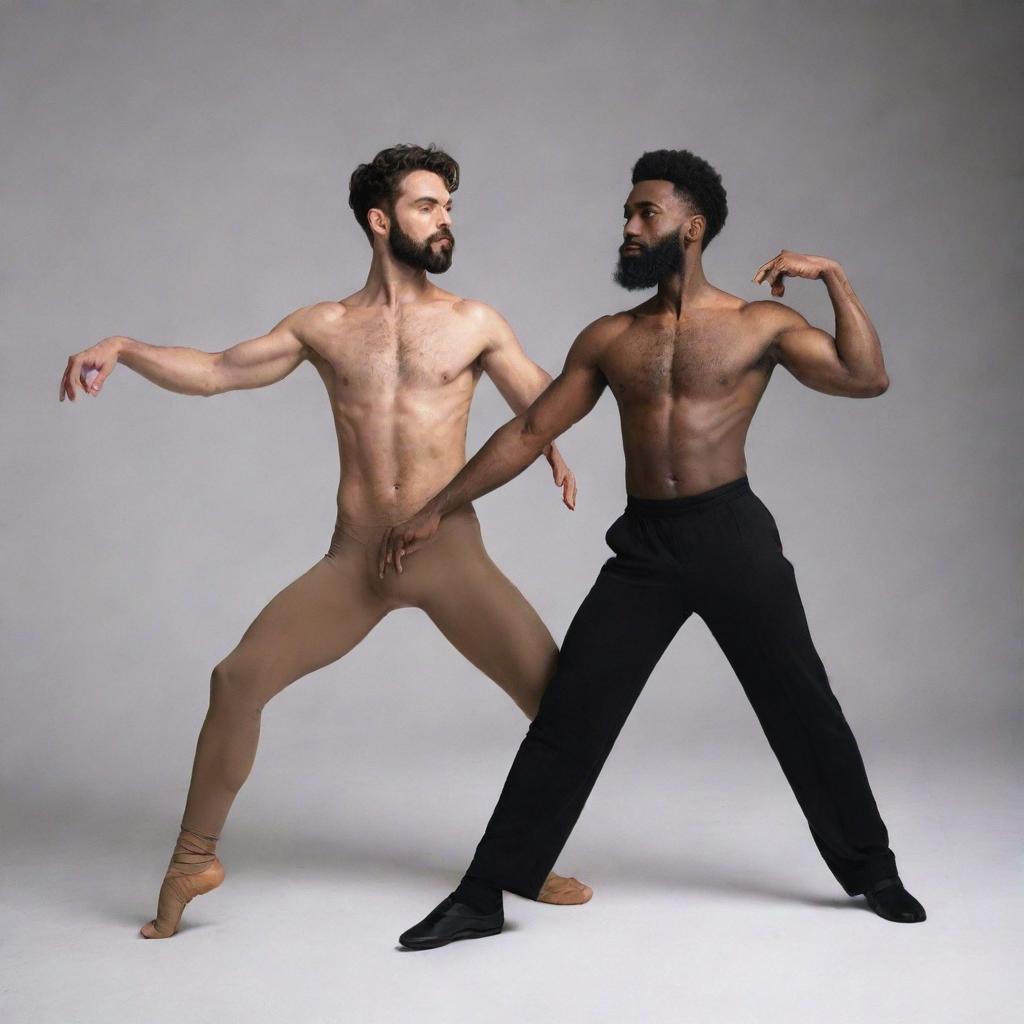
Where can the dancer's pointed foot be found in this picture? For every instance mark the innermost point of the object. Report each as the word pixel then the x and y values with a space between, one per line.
pixel 889 900
pixel 564 891
pixel 193 871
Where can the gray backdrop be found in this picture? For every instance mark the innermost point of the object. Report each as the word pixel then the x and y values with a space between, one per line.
pixel 178 173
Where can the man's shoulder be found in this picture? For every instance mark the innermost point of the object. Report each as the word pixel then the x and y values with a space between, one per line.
pixel 769 313
pixel 321 314
pixel 608 327
pixel 478 313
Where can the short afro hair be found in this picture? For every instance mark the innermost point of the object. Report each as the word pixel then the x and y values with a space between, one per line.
pixel 376 184
pixel 693 178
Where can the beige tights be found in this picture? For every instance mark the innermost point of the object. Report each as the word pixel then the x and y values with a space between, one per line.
pixel 316 620
pixel 194 870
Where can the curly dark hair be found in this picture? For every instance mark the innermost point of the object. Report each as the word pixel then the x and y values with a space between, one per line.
pixel 694 178
pixel 376 184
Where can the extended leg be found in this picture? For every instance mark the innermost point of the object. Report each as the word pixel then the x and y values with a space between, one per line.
pixel 312 622
pixel 610 649
pixel 759 622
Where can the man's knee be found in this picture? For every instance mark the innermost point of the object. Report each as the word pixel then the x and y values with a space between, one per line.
pixel 235 688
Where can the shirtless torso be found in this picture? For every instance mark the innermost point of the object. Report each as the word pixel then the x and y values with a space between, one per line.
pixel 400 383
pixel 686 389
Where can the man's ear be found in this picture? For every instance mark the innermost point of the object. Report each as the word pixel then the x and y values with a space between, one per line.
pixel 379 221
pixel 695 229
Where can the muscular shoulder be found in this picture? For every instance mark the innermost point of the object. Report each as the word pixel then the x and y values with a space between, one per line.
pixel 488 327
pixel 595 338
pixel 478 314
pixel 769 318
pixel 311 323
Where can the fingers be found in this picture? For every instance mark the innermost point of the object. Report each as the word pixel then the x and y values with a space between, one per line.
pixel 775 280
pixel 416 544
pixel 762 270
pixel 71 377
pixel 771 269
pixel 773 272
pixel 384 553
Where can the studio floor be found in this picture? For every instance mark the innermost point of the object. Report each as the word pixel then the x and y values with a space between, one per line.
pixel 709 906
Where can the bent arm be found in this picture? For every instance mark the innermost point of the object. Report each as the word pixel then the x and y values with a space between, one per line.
pixel 512 447
pixel 849 364
pixel 249 364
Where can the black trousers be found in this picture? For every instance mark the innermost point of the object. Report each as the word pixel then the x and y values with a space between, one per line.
pixel 717 554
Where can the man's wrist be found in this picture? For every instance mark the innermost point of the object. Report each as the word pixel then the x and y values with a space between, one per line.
pixel 122 345
pixel 833 273
pixel 439 505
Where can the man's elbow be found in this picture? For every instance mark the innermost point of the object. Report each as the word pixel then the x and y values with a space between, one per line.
pixel 216 379
pixel 868 388
pixel 879 386
pixel 532 437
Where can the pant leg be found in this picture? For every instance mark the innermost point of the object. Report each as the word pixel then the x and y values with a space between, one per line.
pixel 758 620
pixel 610 649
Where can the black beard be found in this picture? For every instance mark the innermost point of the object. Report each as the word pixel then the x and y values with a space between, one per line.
pixel 421 257
pixel 651 264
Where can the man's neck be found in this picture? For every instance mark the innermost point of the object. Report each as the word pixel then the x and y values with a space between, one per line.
pixel 678 292
pixel 392 283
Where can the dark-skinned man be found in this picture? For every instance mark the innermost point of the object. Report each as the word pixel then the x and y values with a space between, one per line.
pixel 687 368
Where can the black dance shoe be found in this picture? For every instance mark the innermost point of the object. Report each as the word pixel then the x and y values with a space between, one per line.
pixel 449 921
pixel 890 900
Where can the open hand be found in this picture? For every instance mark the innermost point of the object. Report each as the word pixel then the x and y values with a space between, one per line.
pixel 87 370
pixel 405 538
pixel 791 264
pixel 563 475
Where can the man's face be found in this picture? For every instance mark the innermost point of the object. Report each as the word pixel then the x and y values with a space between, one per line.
pixel 420 233
pixel 655 214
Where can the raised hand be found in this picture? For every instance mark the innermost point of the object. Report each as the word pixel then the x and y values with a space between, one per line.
pixel 87 370
pixel 563 475
pixel 791 264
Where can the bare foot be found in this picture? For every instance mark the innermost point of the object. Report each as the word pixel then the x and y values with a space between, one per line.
pixel 564 891
pixel 177 889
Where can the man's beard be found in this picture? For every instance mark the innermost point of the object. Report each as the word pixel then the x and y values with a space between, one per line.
pixel 651 264
pixel 421 257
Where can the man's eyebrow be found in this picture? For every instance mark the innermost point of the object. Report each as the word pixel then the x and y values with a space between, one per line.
pixel 430 199
pixel 641 202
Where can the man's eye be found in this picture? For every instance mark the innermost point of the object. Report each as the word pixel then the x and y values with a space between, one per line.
pixel 648 213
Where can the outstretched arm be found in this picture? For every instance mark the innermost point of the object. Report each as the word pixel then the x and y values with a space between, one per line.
pixel 849 364
pixel 189 371
pixel 510 449
pixel 519 380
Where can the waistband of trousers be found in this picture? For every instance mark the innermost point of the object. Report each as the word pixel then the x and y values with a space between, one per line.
pixel 687 503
